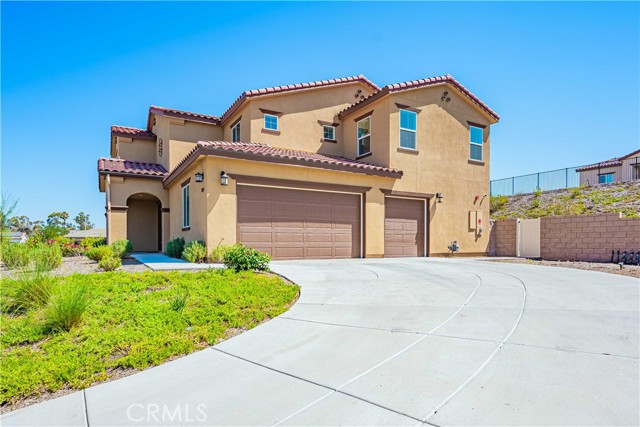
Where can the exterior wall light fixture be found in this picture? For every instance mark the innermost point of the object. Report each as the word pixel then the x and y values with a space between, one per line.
pixel 439 196
pixel 199 176
pixel 224 178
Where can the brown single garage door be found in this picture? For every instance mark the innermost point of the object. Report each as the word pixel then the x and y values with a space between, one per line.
pixel 290 224
pixel 403 227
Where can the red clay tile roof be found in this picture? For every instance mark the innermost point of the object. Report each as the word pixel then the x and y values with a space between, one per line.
pixel 130 167
pixel 397 87
pixel 132 132
pixel 616 161
pixel 267 153
pixel 205 118
pixel 298 86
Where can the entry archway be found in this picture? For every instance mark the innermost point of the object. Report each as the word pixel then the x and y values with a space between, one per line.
pixel 144 222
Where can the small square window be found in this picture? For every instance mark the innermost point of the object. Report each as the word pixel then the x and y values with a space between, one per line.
pixel 329 132
pixel 270 122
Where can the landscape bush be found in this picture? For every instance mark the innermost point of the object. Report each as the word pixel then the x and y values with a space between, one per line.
pixel 217 254
pixel 39 256
pixel 16 255
pixel 110 263
pixel 99 252
pixel 67 306
pixel 175 248
pixel 47 257
pixel 195 251
pixel 241 257
pixel 93 242
pixel 121 248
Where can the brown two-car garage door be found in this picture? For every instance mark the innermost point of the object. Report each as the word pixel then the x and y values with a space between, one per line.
pixel 404 230
pixel 289 224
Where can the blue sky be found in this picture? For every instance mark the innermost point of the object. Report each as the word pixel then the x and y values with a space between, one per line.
pixel 563 76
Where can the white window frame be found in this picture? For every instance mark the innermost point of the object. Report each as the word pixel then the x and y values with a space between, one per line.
pixel 364 136
pixel 186 207
pixel 233 131
pixel 475 143
pixel 415 131
pixel 277 121
pixel 333 132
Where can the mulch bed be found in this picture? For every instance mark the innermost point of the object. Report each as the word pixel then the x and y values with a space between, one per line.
pixel 627 270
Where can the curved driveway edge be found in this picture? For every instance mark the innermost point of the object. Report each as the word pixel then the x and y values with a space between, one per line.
pixel 400 342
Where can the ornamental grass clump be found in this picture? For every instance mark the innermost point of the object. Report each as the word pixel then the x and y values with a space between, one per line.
pixel 16 255
pixel 195 251
pixel 46 257
pixel 179 301
pixel 241 257
pixel 67 307
pixel 33 290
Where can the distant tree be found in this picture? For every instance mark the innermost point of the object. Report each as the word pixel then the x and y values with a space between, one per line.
pixel 83 222
pixel 58 218
pixel 37 226
pixel 21 223
pixel 7 208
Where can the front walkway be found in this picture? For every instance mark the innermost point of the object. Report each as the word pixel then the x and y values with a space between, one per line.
pixel 399 342
pixel 157 261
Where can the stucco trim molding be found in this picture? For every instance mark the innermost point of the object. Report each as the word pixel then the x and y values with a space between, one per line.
pixel 289 183
pixel 271 112
pixel 119 208
pixel 408 108
pixel 323 123
pixel 409 194
pixel 270 131
pixel 364 116
pixel 478 125
pixel 165 210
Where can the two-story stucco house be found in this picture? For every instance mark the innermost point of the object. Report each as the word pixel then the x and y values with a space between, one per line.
pixel 330 169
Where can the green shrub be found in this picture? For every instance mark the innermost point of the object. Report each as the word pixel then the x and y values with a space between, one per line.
pixel 67 306
pixel 537 192
pixel 535 202
pixel 15 255
pixel 179 302
pixel 175 247
pixel 110 263
pixel 122 248
pixel 34 289
pixel 217 254
pixel 99 252
pixel 92 242
pixel 497 202
pixel 195 251
pixel 241 257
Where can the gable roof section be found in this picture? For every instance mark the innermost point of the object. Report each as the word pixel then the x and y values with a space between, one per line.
pixel 129 132
pixel 415 84
pixel 295 87
pixel 121 167
pixel 179 114
pixel 616 161
pixel 266 153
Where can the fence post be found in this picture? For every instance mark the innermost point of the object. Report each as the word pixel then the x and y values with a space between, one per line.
pixel 538 184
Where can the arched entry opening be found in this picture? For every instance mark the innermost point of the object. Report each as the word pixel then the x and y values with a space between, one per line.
pixel 144 222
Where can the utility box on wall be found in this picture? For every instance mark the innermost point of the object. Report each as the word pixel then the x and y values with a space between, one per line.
pixel 475 220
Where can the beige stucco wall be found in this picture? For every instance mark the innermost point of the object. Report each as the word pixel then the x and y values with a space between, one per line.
pixel 379 133
pixel 141 150
pixel 142 224
pixel 197 200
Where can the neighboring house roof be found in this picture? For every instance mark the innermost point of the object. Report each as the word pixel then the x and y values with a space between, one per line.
pixel 294 87
pixel 267 153
pixel 15 236
pixel 415 84
pixel 131 168
pixel 616 161
pixel 81 234
pixel 132 132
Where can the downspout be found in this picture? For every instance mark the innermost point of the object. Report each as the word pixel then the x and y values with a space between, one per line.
pixel 108 179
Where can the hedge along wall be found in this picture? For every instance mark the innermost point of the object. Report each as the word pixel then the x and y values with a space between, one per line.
pixel 575 238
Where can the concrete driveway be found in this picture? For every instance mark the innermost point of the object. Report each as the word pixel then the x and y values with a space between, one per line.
pixel 400 342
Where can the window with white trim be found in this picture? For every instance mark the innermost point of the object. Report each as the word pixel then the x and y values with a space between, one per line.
pixel 364 136
pixel 329 132
pixel 235 132
pixel 475 143
pixel 270 122
pixel 186 209
pixel 605 178
pixel 408 129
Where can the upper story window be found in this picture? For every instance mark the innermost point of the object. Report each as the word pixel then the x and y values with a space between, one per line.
pixel 408 128
pixel 235 132
pixel 475 140
pixel 364 136
pixel 186 209
pixel 329 132
pixel 270 122
pixel 605 178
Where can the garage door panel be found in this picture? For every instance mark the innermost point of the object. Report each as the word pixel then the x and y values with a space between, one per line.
pixel 404 227
pixel 301 224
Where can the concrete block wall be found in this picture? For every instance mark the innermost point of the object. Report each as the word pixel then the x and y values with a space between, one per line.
pixel 588 237
pixel 502 241
pixel 574 238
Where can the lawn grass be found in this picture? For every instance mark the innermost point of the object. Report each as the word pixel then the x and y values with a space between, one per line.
pixel 131 323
